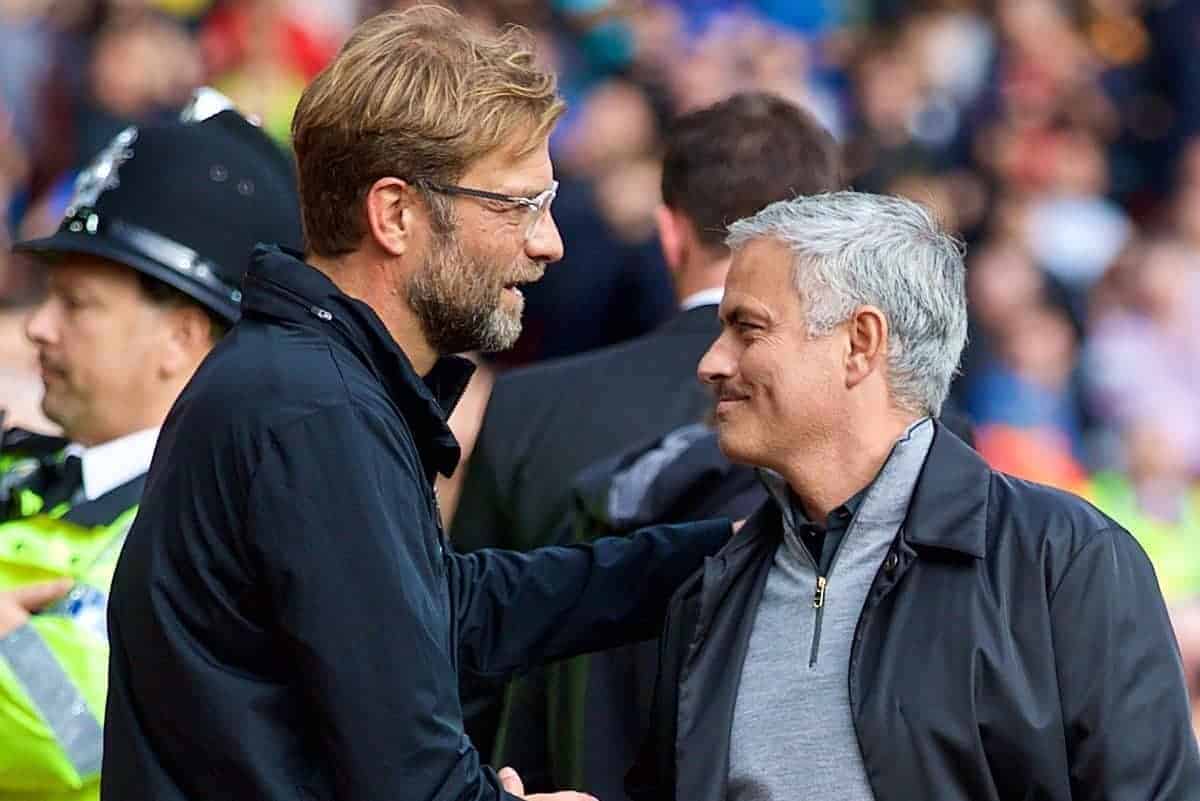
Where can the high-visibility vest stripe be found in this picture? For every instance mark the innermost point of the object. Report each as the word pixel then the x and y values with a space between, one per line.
pixel 56 697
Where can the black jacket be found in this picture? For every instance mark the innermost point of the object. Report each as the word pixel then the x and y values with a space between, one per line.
pixel 1014 646
pixel 285 620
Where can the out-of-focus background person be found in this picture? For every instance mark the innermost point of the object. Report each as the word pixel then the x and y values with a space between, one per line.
pixel 1059 138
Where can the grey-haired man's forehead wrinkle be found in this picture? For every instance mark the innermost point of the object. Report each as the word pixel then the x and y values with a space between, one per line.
pixel 745 310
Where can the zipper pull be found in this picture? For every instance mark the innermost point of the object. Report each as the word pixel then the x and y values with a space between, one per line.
pixel 819 596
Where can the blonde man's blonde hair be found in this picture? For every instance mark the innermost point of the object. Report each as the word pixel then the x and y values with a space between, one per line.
pixel 419 95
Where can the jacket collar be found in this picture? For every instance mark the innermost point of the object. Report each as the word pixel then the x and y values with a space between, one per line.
pixel 280 285
pixel 949 509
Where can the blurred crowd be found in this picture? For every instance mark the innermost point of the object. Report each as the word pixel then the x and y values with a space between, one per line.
pixel 1060 138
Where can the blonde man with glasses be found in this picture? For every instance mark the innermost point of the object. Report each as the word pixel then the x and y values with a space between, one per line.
pixel 287 618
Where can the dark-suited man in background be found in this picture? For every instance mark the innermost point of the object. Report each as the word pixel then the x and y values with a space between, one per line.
pixel 545 423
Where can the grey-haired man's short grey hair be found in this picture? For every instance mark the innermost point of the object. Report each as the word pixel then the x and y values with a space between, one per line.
pixel 854 249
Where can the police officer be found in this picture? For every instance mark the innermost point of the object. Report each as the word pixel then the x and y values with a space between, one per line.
pixel 143 274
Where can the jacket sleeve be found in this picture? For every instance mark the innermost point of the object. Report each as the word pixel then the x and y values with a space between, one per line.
pixel 518 610
pixel 53 675
pixel 342 528
pixel 1120 678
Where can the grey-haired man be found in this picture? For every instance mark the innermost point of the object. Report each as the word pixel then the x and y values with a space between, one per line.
pixel 899 622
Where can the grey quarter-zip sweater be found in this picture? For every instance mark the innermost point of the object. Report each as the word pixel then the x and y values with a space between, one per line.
pixel 793 734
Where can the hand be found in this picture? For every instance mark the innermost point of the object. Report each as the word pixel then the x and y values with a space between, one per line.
pixel 737 524
pixel 17 605
pixel 512 783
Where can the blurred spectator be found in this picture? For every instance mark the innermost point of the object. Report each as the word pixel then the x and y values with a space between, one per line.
pixel 1021 382
pixel 262 53
pixel 1023 401
pixel 1074 231
pixel 1143 357
pixel 142 67
pixel 1028 385
pixel 1002 281
pixel 889 92
pixel 1157 496
pixel 614 123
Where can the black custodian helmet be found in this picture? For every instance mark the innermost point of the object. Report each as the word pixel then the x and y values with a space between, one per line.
pixel 184 203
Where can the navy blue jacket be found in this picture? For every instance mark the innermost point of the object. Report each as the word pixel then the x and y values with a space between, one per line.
pixel 1014 646
pixel 286 618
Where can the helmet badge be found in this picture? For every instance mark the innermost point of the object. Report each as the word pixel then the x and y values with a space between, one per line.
pixel 101 175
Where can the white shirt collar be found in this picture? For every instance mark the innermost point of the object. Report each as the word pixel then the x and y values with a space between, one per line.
pixel 109 465
pixel 705 297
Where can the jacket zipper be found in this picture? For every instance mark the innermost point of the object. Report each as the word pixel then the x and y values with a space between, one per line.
pixel 818 601
pixel 819 593
pixel 442 539
pixel 819 605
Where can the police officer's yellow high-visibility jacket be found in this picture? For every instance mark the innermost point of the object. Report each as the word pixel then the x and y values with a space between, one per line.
pixel 54 669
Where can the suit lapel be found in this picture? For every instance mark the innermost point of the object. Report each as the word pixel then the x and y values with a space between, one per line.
pixel 109 506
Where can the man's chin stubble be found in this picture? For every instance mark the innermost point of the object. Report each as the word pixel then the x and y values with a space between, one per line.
pixel 503 332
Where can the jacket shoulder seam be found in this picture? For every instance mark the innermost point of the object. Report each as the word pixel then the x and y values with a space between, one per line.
pixel 274 430
pixel 1102 533
pixel 341 373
